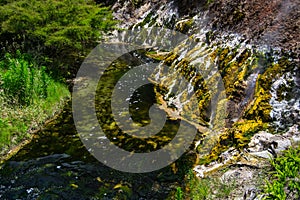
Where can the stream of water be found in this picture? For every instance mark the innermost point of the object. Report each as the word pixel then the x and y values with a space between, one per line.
pixel 56 165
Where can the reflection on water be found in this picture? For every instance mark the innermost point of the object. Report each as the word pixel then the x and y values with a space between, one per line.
pixel 56 165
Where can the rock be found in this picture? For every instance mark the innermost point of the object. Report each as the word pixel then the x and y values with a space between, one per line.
pixel 248 162
pixel 296 139
pixel 263 144
pixel 228 157
pixel 283 144
pixel 245 180
pixel 293 134
pixel 235 174
pixel 262 154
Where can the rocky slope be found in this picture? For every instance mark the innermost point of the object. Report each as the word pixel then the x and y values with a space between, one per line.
pixel 273 23
pixel 255 46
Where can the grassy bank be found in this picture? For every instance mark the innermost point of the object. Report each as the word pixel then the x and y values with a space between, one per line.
pixel 58 35
pixel 28 97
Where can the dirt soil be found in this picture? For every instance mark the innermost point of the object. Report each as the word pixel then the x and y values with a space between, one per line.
pixel 275 23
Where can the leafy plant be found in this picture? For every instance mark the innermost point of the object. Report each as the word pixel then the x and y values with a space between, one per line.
pixel 57 32
pixel 208 188
pixel 21 81
pixel 286 176
pixel 201 189
pixel 28 96
pixel 179 194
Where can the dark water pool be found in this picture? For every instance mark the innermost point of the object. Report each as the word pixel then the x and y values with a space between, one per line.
pixel 56 165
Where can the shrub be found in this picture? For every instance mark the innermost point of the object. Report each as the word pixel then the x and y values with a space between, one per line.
pixel 285 175
pixel 28 96
pixel 21 81
pixel 59 33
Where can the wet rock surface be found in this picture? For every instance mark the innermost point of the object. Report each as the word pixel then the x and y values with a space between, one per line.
pixel 246 40
pixel 248 168
pixel 237 34
pixel 274 23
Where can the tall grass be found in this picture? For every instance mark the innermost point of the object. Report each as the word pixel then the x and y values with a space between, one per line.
pixel 28 96
pixel 22 82
pixel 209 188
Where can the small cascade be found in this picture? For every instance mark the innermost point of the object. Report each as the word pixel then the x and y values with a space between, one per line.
pixel 233 92
pixel 234 84
pixel 285 101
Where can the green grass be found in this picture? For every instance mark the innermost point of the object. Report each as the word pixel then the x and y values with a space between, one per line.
pixel 200 189
pixel 285 181
pixel 207 188
pixel 49 29
pixel 28 97
pixel 179 193
pixel 210 1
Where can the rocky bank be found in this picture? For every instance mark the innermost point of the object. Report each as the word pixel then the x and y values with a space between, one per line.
pixel 255 46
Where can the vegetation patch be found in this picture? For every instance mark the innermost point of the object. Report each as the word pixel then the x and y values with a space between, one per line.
pixel 260 107
pixel 238 136
pixel 149 20
pixel 205 188
pixel 233 69
pixel 58 33
pixel 285 182
pixel 28 96
pixel 185 25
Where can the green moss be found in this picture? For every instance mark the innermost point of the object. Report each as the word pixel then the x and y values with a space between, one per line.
pixel 238 136
pixel 229 79
pixel 214 55
pixel 223 54
pixel 185 25
pixel 150 19
pixel 260 107
pixel 232 71
pixel 243 131
pixel 159 56
pixel 221 114
pixel 171 58
pixel 200 87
